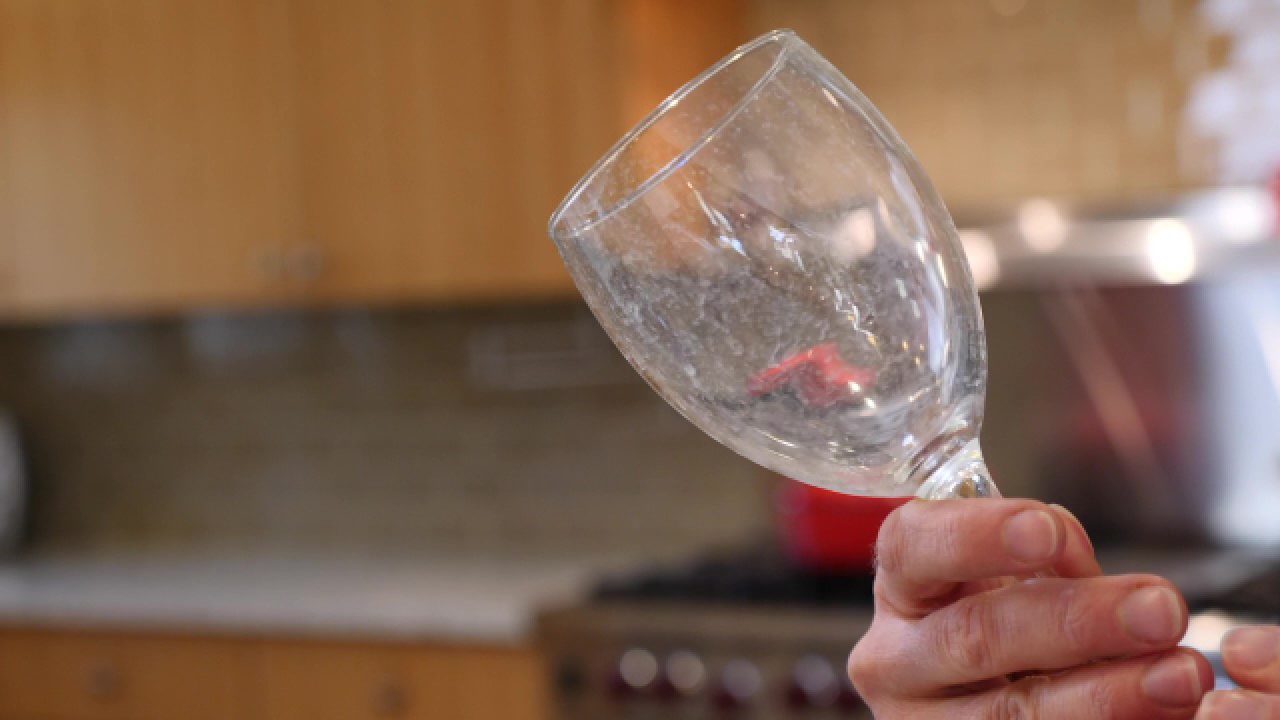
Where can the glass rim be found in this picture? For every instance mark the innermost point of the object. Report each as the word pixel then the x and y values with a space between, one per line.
pixel 781 36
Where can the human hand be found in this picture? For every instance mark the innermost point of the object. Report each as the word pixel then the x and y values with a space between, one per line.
pixel 962 629
pixel 1251 656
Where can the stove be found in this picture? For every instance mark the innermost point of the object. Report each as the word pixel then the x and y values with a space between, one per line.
pixel 757 576
pixel 745 634
pixel 740 633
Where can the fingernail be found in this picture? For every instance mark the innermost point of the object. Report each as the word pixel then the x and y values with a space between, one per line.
pixel 1152 615
pixel 1173 682
pixel 1084 535
pixel 1251 648
pixel 1031 536
pixel 1229 705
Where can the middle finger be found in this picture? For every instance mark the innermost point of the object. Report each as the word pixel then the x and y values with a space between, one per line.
pixel 1039 625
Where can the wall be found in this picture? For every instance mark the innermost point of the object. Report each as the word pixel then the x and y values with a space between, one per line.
pixel 474 432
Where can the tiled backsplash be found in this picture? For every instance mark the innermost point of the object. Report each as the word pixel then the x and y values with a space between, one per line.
pixel 482 431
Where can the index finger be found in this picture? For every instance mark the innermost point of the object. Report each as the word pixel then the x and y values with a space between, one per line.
pixel 1251 656
pixel 927 548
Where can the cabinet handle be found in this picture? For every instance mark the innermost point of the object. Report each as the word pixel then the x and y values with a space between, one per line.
pixel 269 263
pixel 104 682
pixel 307 263
pixel 390 699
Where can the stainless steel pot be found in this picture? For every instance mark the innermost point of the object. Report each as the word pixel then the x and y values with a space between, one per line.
pixel 1135 364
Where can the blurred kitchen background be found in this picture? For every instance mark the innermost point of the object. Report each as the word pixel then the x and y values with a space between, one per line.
pixel 303 417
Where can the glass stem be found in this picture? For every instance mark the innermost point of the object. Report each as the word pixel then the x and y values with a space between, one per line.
pixel 963 475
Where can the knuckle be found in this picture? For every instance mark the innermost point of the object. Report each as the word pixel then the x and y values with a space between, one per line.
pixel 863 668
pixel 1021 700
pixel 969 636
pixel 890 549
pixel 1099 700
pixel 1078 619
pixel 858 666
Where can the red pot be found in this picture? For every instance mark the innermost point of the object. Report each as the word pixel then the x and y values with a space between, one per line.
pixel 826 531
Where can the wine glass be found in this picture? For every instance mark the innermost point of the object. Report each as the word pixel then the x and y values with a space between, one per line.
pixel 767 253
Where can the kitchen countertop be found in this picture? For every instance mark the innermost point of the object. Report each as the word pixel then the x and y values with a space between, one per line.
pixel 491 601
pixel 403 599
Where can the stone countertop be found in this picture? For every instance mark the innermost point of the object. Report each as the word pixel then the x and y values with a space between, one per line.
pixel 490 601
pixel 483 601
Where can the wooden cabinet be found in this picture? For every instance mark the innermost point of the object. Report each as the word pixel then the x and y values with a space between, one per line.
pixel 348 682
pixel 145 152
pixel 190 153
pixel 84 676
pixel 306 681
pixel 74 675
pixel 666 43
pixel 493 683
pixel 169 155
pixel 436 138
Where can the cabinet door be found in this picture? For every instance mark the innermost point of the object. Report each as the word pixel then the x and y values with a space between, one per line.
pixel 85 676
pixel 482 683
pixel 6 182
pixel 314 681
pixel 436 139
pixel 664 44
pixel 311 681
pixel 145 152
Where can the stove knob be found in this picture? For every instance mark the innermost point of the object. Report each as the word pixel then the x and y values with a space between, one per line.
pixel 685 674
pixel 635 673
pixel 814 683
pixel 740 685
